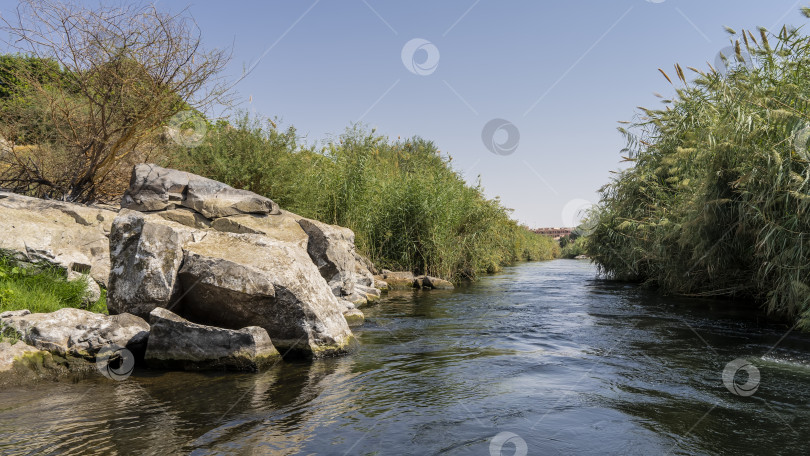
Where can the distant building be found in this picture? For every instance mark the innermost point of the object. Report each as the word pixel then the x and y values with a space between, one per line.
pixel 555 233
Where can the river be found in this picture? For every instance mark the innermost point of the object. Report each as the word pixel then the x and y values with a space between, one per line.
pixel 544 358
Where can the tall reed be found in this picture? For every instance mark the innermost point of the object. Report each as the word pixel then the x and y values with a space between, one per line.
pixel 716 202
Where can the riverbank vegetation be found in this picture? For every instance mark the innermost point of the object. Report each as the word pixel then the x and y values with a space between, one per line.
pixel 572 248
pixel 130 86
pixel 407 206
pixel 41 288
pixel 716 202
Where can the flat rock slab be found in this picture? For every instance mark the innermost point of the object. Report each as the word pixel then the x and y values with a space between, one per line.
pixel 71 236
pixel 178 343
pixel 76 332
pixel 153 188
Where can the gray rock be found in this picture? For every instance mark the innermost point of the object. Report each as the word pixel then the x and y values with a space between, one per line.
pixel 9 354
pixel 77 332
pixel 175 342
pixel 354 317
pixel 236 280
pixel 146 252
pixel 153 188
pixel 399 280
pixel 331 248
pixel 71 236
pixel 435 283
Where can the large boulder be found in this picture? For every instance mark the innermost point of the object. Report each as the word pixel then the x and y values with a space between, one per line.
pixel 77 332
pixel 146 254
pixel 402 280
pixel 230 280
pixel 331 248
pixel 153 188
pixel 71 236
pixel 236 280
pixel 175 342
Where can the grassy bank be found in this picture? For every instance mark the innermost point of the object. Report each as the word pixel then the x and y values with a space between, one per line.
pixel 407 206
pixel 716 203
pixel 41 289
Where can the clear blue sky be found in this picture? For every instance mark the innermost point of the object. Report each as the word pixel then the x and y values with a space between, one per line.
pixel 562 72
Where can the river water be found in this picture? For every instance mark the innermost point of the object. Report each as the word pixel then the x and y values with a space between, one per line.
pixel 544 358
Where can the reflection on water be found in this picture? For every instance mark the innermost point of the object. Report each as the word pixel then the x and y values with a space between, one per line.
pixel 568 363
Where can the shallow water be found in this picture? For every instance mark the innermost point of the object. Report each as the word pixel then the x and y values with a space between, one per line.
pixel 563 362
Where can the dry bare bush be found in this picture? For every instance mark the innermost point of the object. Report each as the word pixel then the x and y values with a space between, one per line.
pixel 123 72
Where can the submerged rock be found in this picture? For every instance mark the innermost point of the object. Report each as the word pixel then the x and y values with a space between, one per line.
pixel 354 317
pixel 178 343
pixel 76 332
pixel 405 280
pixel 9 354
pixel 398 280
pixel 435 283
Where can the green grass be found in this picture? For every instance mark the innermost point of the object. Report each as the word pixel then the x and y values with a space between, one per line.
pixel 717 202
pixel 409 209
pixel 41 288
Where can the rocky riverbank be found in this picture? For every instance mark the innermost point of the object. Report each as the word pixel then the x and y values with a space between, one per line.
pixel 199 275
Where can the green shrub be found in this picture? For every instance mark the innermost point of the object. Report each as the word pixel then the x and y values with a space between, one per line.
pixel 407 206
pixel 575 248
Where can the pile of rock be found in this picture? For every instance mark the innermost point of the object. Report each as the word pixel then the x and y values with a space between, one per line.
pixel 225 278
pixel 407 280
pixel 229 258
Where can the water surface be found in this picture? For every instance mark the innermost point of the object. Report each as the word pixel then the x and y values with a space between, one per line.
pixel 564 362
